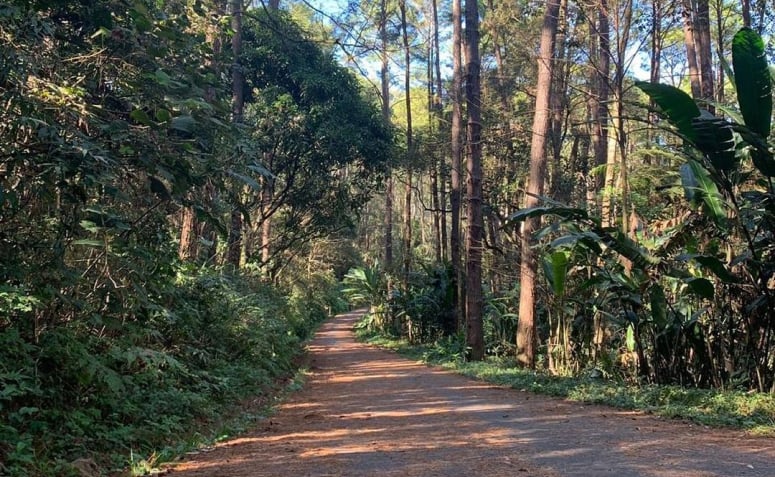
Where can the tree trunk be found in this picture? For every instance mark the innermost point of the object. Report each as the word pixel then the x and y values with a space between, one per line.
pixel 266 226
pixel 559 99
pixel 457 161
pixel 655 71
pixel 234 252
pixel 187 245
pixel 267 193
pixel 474 297
pixel 691 50
pixel 622 27
pixel 443 209
pixel 720 45
pixel 409 147
pixel 704 52
pixel 600 86
pixel 385 80
pixel 432 158
pixel 189 248
pixel 526 327
pixel 606 154
pixel 438 111
pixel 746 13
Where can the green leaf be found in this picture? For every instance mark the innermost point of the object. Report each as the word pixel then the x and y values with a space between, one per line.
pixel 564 212
pixel 89 242
pixel 715 139
pixel 159 188
pixel 700 189
pixel 677 106
pixel 589 240
pixel 556 271
pixel 249 181
pixel 90 226
pixel 760 150
pixel 261 170
pixel 728 70
pixel 163 115
pixel 753 81
pixel 162 78
pixel 630 338
pixel 141 117
pixel 628 248
pixel 717 267
pixel 658 305
pixel 101 31
pixel 689 183
pixel 763 161
pixel 183 123
pixel 702 287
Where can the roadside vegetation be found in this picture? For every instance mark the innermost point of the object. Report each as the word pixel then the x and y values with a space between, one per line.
pixel 165 246
pixel 752 412
pixel 184 184
pixel 676 318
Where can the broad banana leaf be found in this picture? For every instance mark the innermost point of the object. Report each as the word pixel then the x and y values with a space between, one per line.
pixel 702 287
pixel 556 271
pixel 679 108
pixel 717 267
pixel 570 213
pixel 715 139
pixel 753 81
pixel 658 306
pixel 700 189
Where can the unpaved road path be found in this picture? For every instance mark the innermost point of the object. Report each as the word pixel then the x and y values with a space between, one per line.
pixel 369 412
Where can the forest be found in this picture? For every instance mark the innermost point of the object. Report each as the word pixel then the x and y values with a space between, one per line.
pixel 189 187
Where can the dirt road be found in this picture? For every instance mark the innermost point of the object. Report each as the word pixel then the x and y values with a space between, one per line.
pixel 369 412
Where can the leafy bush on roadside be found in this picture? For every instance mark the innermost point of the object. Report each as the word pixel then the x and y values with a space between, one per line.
pixel 80 391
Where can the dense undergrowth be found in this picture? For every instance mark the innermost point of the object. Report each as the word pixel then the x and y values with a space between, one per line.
pixel 754 412
pixel 120 397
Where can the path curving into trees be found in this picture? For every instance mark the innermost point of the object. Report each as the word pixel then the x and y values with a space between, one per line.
pixel 367 412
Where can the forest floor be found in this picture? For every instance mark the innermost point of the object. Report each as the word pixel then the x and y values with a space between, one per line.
pixel 365 411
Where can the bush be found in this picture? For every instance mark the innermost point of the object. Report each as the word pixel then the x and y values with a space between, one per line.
pixel 78 390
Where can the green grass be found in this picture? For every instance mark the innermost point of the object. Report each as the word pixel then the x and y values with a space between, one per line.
pixel 753 412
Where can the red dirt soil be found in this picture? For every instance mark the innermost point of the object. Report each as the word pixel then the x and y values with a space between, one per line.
pixel 369 412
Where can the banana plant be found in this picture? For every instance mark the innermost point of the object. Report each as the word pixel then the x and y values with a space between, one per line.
pixel 368 286
pixel 728 175
pixel 718 149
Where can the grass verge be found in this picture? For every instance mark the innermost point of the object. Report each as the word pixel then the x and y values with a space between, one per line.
pixel 752 412
pixel 236 420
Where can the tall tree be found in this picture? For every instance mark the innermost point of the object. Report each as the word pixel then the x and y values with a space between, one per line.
pixel 305 119
pixel 656 45
pixel 696 18
pixel 457 160
pixel 267 190
pixel 600 87
pixel 385 95
pixel 474 297
pixel 526 328
pixel 234 252
pixel 691 48
pixel 438 112
pixel 622 27
pixel 409 144
pixel 704 51
pixel 560 98
pixel 191 227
